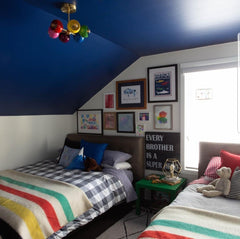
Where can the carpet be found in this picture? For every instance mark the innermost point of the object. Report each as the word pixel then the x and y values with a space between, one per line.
pixel 129 227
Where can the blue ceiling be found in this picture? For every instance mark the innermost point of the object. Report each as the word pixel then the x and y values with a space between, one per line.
pixel 40 75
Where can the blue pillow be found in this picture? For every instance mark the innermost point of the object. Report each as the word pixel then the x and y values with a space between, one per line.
pixel 94 150
pixel 68 155
pixel 77 163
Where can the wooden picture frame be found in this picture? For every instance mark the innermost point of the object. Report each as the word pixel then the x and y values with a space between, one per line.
pixel 109 121
pixel 90 121
pixel 162 116
pixel 126 122
pixel 131 94
pixel 162 83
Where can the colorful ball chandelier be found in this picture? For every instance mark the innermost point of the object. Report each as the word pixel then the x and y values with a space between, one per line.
pixel 74 29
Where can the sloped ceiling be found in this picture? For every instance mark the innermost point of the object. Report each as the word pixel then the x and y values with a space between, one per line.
pixel 40 75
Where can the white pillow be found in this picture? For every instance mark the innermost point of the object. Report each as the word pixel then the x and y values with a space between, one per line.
pixel 122 165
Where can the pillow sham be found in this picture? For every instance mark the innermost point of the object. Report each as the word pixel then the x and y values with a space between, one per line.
pixel 214 163
pixel 94 150
pixel 112 157
pixel 77 162
pixel 67 155
pixel 123 165
pixel 230 160
pixel 235 185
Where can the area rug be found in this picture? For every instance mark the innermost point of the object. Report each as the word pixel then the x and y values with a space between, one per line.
pixel 129 227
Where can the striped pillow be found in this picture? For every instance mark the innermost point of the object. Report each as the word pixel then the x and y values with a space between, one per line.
pixel 212 167
pixel 235 185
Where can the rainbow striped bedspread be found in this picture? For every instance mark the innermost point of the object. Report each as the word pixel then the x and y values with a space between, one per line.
pixel 178 222
pixel 36 207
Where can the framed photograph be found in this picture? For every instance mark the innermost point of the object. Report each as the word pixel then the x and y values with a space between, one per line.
pixel 109 101
pixel 162 83
pixel 143 116
pixel 90 121
pixel 109 121
pixel 126 122
pixel 162 116
pixel 131 94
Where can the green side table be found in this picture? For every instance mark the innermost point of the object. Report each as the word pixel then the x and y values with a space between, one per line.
pixel 171 190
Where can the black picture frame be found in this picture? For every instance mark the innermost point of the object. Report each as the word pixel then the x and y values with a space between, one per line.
pixel 162 83
pixel 126 122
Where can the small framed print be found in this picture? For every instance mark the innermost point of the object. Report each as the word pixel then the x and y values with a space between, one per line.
pixel 109 121
pixel 140 130
pixel 131 94
pixel 126 122
pixel 109 101
pixel 162 116
pixel 89 121
pixel 162 83
pixel 143 116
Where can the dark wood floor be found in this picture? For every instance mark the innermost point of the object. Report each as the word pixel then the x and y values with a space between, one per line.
pixel 95 228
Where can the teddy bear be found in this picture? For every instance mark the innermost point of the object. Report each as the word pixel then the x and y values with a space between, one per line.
pixel 219 186
pixel 91 165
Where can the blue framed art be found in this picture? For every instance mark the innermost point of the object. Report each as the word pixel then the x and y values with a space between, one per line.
pixel 126 122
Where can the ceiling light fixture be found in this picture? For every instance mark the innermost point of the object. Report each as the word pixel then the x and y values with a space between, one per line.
pixel 74 29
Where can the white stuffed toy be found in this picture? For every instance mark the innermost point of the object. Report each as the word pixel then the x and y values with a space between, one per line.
pixel 219 186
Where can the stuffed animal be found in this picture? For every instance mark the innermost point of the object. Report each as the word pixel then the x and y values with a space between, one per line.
pixel 91 165
pixel 219 186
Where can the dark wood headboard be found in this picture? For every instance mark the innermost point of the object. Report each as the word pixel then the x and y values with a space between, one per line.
pixel 127 144
pixel 207 150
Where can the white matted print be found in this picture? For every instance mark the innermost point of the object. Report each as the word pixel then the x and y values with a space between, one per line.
pixel 162 116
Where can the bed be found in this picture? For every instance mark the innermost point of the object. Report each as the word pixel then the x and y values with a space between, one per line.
pixel 98 192
pixel 191 215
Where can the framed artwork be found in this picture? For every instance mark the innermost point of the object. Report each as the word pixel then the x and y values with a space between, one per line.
pixel 109 121
pixel 162 83
pixel 162 116
pixel 140 130
pixel 143 116
pixel 131 94
pixel 109 101
pixel 126 122
pixel 90 121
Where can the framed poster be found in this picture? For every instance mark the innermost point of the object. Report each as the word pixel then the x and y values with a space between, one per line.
pixel 162 83
pixel 109 101
pixel 126 122
pixel 109 121
pixel 89 121
pixel 162 116
pixel 160 146
pixel 131 94
pixel 143 116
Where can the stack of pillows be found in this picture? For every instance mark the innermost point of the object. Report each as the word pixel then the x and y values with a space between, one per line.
pixel 226 159
pixel 72 158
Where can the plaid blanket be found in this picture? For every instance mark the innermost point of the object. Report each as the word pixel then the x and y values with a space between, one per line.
pixel 103 190
pixel 178 222
pixel 36 207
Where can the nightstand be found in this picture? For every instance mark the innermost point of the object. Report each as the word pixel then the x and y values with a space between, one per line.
pixel 171 190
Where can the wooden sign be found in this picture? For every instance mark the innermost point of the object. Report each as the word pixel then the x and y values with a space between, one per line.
pixel 159 146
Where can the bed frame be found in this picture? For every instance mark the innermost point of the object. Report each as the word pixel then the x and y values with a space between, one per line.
pixel 208 150
pixel 127 144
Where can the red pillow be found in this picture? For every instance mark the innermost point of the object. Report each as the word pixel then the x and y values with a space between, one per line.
pixel 213 165
pixel 230 160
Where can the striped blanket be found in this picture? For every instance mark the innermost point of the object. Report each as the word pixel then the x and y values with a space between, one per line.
pixel 178 222
pixel 35 206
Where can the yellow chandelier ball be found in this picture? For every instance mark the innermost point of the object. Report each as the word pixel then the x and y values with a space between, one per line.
pixel 73 26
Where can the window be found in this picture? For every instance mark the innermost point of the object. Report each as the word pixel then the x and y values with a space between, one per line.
pixel 210 108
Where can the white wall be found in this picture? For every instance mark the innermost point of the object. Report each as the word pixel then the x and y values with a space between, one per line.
pixel 28 139
pixel 139 70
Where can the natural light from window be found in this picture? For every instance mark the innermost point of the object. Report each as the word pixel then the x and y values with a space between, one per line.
pixel 210 110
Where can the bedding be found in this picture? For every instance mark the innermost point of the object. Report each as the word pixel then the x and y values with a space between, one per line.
pixel 36 207
pixel 103 190
pixel 191 215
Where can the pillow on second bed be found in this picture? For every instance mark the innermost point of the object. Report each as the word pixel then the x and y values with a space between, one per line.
pixel 112 157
